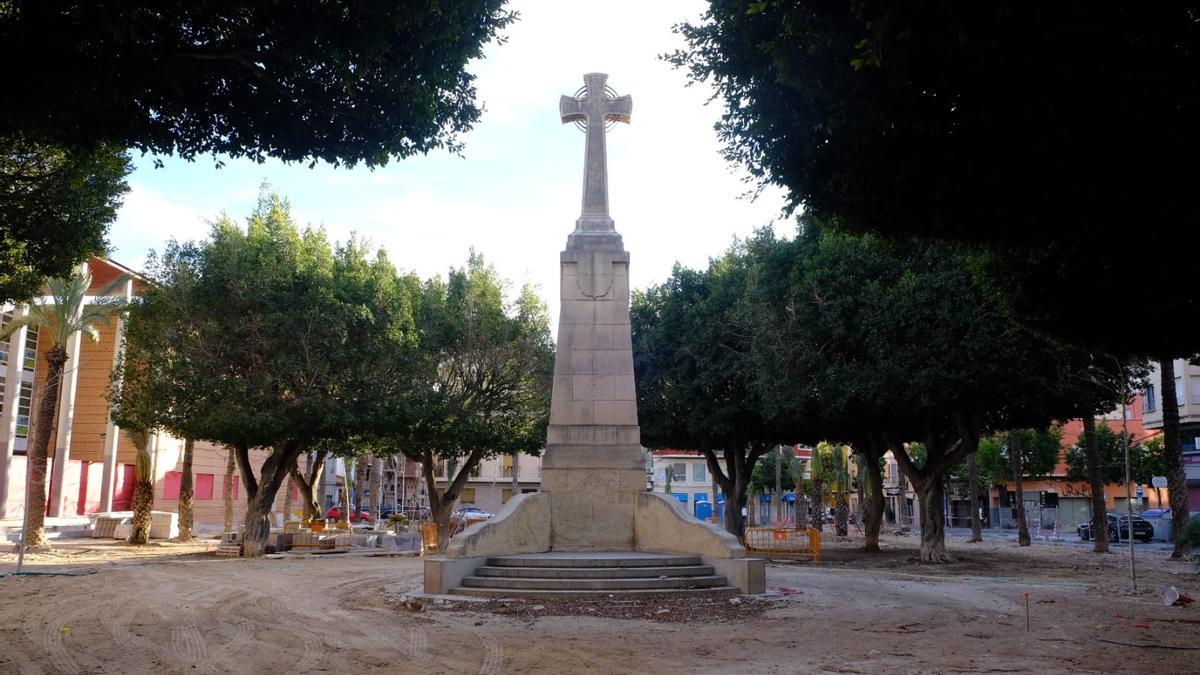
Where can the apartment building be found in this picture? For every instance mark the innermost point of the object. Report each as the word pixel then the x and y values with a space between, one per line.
pixel 490 485
pixel 1187 393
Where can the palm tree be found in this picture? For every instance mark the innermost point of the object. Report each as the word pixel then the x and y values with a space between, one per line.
pixel 60 318
pixel 143 487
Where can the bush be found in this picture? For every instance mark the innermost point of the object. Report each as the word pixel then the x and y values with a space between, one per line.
pixel 1191 532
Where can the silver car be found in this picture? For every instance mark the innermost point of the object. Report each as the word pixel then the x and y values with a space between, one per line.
pixel 1162 520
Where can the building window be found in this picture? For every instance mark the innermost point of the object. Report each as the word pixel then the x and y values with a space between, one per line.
pixel 171 484
pixel 1179 399
pixel 676 472
pixel 506 467
pixel 31 339
pixel 24 407
pixel 505 495
pixel 204 487
pixel 699 473
pixel 477 471
pixel 467 496
pixel 1149 404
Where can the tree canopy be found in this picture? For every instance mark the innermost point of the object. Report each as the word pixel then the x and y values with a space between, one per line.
pixel 55 208
pixel 1039 131
pixel 1041 450
pixel 344 82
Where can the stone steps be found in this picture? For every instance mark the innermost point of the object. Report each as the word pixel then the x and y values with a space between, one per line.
pixel 591 574
pixel 595 572
pixel 583 594
pixel 593 560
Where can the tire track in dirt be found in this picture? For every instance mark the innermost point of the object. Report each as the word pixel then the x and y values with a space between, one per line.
pixel 493 655
pixel 47 626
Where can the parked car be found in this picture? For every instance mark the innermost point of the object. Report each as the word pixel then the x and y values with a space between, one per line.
pixel 357 515
pixel 1118 528
pixel 466 515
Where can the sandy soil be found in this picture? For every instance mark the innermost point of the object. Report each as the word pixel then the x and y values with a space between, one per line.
pixel 178 609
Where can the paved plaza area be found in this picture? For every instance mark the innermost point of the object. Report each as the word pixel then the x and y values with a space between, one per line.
pixel 179 609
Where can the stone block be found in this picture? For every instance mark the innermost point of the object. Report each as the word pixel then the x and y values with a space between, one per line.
pixel 571 412
pixel 581 361
pixel 624 435
pixel 577 312
pixel 615 412
pixel 608 312
pixel 749 575
pixel 583 387
pixel 442 574
pixel 588 458
pixel 592 510
pixel 563 388
pixel 611 362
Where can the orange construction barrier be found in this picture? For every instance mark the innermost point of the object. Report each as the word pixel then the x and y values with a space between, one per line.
pixel 783 542
pixel 429 538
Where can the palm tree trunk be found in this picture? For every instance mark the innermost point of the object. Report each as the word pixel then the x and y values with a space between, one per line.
pixel 227 492
pixel 186 493
pixel 143 493
pixel 376 487
pixel 818 504
pixel 1091 449
pixel 841 513
pixel 973 488
pixel 35 482
pixel 1014 458
pixel 1173 454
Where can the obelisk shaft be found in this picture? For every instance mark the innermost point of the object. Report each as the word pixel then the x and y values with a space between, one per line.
pixel 593 467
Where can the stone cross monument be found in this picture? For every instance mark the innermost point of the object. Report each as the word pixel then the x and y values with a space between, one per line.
pixel 593 496
pixel 593 466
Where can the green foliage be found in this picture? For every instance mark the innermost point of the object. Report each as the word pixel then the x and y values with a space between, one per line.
pixel 1191 532
pixel 55 207
pixel 877 115
pixel 762 479
pixel 1040 453
pixel 66 312
pixel 1146 459
pixel 339 81
pixel 265 336
pixel 486 366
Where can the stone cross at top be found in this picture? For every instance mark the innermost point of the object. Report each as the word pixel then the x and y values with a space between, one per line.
pixel 594 109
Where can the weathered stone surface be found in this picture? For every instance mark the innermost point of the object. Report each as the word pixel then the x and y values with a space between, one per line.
pixel 662 526
pixel 522 526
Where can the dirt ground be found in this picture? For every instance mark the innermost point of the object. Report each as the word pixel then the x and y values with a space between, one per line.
pixel 179 609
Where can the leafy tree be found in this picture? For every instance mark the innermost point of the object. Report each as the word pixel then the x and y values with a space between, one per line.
pixel 284 344
pixel 344 82
pixel 979 123
pixel 890 344
pixel 483 383
pixel 58 320
pixel 55 207
pixel 695 375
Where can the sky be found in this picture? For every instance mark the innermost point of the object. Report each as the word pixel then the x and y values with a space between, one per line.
pixel 516 190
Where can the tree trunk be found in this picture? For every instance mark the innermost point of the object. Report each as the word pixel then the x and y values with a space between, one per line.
pixel 735 522
pixel 38 451
pixel 227 490
pixel 802 506
pixel 1091 449
pixel 1014 458
pixel 360 485
pixel 973 488
pixel 260 494
pixel 903 522
pixel 778 496
pixel 516 479
pixel 873 508
pixel 931 494
pixel 143 504
pixel 841 513
pixel 376 487
pixel 186 492
pixel 287 498
pixel 1173 454
pixel 817 517
pixel 347 481
pixel 309 482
